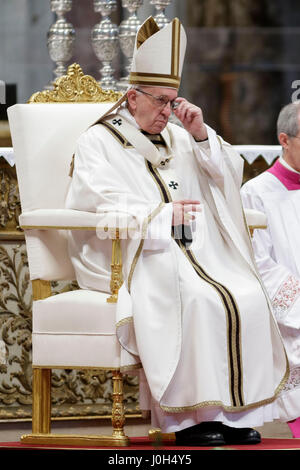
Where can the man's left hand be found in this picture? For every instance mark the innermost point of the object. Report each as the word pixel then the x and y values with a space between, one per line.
pixel 192 118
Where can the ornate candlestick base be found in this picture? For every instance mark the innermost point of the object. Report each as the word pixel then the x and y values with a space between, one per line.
pixel 105 41
pixel 61 36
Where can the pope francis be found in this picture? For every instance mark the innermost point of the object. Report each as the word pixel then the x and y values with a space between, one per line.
pixel 192 315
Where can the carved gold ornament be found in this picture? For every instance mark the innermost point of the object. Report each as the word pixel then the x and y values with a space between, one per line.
pixel 9 203
pixel 77 88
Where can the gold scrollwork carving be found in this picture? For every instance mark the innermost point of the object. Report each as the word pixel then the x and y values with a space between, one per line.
pixel 10 202
pixel 116 269
pixel 75 87
pixel 15 327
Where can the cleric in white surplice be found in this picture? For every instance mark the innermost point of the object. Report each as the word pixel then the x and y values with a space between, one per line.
pixel 193 317
pixel 276 192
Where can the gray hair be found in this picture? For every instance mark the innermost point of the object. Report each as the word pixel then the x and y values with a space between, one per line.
pixel 287 121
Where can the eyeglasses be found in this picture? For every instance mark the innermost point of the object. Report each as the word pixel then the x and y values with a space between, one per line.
pixel 161 101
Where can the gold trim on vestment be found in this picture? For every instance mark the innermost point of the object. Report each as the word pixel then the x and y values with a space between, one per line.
pixel 117 368
pixel 72 165
pixel 131 367
pixel 155 139
pixel 116 134
pixel 164 80
pixel 175 47
pixel 234 347
pixel 287 371
pixel 147 30
pixel 233 409
pixel 164 191
pixel 149 79
pixel 146 222
pixel 124 322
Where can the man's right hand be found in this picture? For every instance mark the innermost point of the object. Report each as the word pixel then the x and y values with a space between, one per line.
pixel 181 211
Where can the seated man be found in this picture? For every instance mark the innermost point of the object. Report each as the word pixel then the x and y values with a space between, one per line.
pixel 277 249
pixel 192 314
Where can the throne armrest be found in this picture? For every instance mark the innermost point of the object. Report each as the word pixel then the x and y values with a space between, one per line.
pixel 255 220
pixel 70 219
pixel 115 226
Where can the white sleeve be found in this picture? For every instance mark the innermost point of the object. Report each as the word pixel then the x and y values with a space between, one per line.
pixel 96 186
pixel 216 157
pixel 282 286
pixel 209 156
pixel 159 232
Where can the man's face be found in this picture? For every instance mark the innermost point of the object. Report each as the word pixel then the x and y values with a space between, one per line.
pixel 148 112
pixel 291 147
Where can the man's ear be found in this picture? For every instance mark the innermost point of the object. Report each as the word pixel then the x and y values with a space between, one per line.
pixel 131 98
pixel 283 140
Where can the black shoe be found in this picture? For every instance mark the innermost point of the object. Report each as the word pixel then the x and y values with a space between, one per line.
pixel 240 435
pixel 203 434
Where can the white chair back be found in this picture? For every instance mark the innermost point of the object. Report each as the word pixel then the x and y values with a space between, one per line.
pixel 44 137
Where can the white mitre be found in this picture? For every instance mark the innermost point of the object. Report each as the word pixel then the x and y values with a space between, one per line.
pixel 158 54
pixel 158 57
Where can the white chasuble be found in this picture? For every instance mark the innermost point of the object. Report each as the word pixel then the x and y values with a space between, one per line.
pixel 276 192
pixel 195 317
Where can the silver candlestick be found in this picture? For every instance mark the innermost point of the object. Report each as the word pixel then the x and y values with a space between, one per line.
pixel 61 36
pixel 160 16
pixel 105 41
pixel 127 34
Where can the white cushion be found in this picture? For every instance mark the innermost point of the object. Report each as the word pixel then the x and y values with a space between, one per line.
pixel 59 218
pixel 75 219
pixel 75 329
pixel 69 351
pixel 75 312
pixel 48 256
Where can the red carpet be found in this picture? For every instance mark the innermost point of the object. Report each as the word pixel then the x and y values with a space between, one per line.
pixel 143 443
